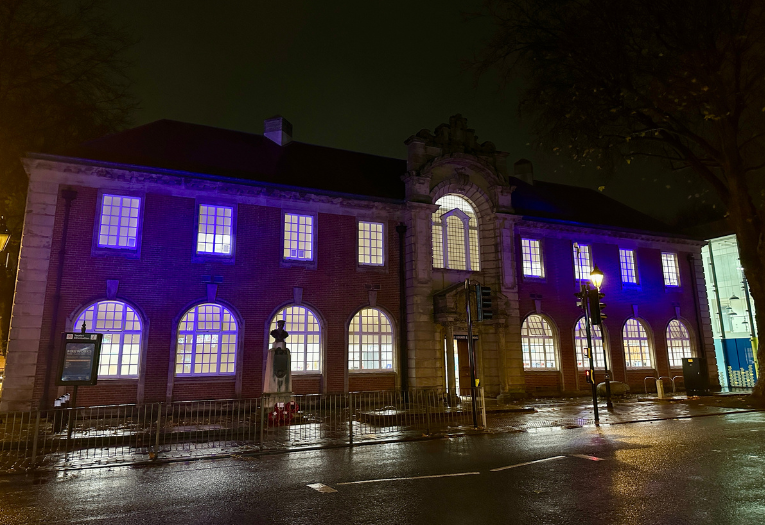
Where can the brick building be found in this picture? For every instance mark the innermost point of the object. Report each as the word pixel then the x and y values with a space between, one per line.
pixel 184 244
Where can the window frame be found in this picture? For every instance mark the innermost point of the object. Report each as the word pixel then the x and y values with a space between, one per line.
pixel 670 346
pixel 466 229
pixel 627 284
pixel 128 253
pixel 649 344
pixel 602 351
pixel 554 344
pixel 577 261
pixel 304 263
pixel 371 266
pixel 393 336
pixel 142 332
pixel 271 325
pixel 676 261
pixel 237 343
pixel 204 257
pixel 526 276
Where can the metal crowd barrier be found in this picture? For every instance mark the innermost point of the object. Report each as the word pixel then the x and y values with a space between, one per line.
pixel 114 434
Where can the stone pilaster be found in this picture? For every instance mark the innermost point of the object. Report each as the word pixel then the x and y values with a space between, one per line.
pixel 705 338
pixel 29 299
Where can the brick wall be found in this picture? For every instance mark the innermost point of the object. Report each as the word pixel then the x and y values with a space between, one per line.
pixel 655 305
pixel 164 283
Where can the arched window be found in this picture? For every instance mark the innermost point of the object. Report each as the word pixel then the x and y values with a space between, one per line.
pixel 304 339
pixel 370 341
pixel 455 226
pixel 580 338
pixel 636 351
pixel 121 344
pixel 678 343
pixel 206 342
pixel 538 343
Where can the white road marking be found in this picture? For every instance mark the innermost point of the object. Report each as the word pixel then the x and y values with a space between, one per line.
pixel 407 479
pixel 527 463
pixel 585 456
pixel 321 487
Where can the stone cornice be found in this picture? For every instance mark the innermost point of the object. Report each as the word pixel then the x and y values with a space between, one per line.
pixel 62 170
pixel 528 224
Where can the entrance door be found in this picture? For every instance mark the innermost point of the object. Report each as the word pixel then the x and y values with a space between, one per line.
pixel 464 365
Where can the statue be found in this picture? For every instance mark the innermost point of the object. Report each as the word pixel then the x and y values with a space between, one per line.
pixel 277 384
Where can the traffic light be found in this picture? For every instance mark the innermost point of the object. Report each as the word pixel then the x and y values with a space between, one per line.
pixel 580 302
pixel 588 375
pixel 596 307
pixel 483 301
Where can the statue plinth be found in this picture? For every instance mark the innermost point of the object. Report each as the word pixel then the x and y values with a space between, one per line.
pixel 277 383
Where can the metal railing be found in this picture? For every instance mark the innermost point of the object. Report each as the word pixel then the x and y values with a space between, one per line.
pixel 84 436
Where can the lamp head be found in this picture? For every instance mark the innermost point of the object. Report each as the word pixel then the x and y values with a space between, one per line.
pixel 596 276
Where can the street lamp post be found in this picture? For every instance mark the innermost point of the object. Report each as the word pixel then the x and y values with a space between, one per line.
pixel 596 276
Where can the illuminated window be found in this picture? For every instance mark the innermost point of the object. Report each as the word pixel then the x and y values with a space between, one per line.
pixel 118 227
pixel 678 343
pixel 538 344
pixel 304 340
pixel 371 243
pixel 580 340
pixel 532 258
pixel 370 341
pixel 671 269
pixel 206 342
pixel 121 344
pixel 298 237
pixel 582 262
pixel 636 351
pixel 455 234
pixel 628 266
pixel 215 229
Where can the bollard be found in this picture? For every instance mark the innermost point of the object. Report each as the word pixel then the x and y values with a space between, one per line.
pixel 159 426
pixel 660 388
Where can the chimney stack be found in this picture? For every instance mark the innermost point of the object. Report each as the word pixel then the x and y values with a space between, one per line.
pixel 278 129
pixel 524 170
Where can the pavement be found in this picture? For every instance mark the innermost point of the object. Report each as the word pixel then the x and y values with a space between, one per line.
pixel 578 411
pixel 691 471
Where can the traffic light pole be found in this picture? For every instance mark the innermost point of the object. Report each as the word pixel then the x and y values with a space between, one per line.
pixel 471 352
pixel 586 304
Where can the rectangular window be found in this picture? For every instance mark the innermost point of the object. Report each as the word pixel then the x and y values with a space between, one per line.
pixel 215 229
pixel 671 269
pixel 628 266
pixel 118 227
pixel 298 237
pixel 371 243
pixel 532 258
pixel 582 262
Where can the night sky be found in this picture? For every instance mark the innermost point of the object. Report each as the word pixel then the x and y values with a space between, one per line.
pixel 361 76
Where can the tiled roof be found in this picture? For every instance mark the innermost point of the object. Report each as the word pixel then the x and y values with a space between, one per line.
pixel 173 145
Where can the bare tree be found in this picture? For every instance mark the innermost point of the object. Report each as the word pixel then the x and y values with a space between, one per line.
pixel 678 80
pixel 62 81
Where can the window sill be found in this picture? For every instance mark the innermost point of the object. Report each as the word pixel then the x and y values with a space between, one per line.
pixel 372 268
pixel 381 371
pixel 631 287
pixel 306 373
pixel 298 263
pixel 211 257
pixel 533 279
pixel 126 253
pixel 126 380
pixel 541 370
pixel 207 379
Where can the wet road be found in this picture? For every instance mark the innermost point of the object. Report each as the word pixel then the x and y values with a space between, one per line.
pixel 706 470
